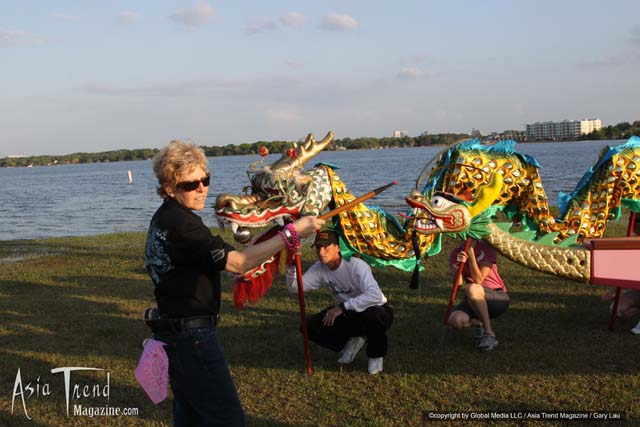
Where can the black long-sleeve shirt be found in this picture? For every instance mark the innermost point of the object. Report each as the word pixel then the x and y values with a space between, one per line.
pixel 184 261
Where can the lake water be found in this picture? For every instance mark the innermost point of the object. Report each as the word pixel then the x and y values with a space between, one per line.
pixel 87 199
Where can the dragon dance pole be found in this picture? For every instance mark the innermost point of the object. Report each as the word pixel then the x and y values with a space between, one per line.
pixel 303 314
pixel 614 310
pixel 456 283
pixel 354 202
pixel 632 221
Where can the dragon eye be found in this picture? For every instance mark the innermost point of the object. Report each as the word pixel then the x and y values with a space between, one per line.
pixel 440 202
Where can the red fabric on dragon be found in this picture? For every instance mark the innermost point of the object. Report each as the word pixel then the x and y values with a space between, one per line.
pixel 255 283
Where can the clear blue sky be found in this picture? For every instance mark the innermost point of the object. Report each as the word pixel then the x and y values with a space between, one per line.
pixel 101 75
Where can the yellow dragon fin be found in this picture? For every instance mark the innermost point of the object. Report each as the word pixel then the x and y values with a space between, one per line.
pixel 487 194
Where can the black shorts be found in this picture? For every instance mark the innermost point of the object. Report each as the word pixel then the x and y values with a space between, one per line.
pixel 497 303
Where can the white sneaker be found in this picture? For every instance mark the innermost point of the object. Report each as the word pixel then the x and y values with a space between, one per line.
pixel 636 330
pixel 375 365
pixel 487 342
pixel 351 348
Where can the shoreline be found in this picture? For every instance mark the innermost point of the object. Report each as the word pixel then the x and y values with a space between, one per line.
pixel 55 162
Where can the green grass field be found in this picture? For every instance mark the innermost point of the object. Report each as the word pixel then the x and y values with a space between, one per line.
pixel 78 302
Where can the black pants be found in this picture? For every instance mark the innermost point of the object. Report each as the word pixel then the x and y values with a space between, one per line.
pixel 371 323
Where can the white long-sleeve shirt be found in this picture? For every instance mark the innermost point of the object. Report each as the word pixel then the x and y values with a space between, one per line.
pixel 352 283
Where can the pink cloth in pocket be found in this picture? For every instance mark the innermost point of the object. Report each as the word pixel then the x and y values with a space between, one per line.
pixel 153 371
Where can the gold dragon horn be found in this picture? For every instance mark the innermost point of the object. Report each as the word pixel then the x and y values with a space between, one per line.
pixel 487 194
pixel 306 152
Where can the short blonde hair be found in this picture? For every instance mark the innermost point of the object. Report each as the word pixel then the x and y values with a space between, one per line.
pixel 177 159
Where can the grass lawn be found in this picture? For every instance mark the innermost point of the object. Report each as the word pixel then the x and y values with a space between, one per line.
pixel 78 302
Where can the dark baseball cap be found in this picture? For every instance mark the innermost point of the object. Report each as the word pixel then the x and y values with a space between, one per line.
pixel 325 238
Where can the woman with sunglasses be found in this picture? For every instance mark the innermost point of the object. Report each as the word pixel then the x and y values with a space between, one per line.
pixel 184 261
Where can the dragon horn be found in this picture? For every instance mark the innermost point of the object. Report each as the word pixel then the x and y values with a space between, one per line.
pixel 487 194
pixel 308 150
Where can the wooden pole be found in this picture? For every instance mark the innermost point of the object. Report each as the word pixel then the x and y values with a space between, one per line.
pixel 632 220
pixel 456 283
pixel 616 301
pixel 354 202
pixel 303 315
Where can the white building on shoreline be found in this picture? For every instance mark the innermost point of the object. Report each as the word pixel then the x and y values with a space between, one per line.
pixel 566 129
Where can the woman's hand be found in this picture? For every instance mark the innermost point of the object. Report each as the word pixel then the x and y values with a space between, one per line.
pixel 472 253
pixel 462 257
pixel 308 225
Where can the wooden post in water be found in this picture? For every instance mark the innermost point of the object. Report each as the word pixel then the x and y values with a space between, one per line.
pixel 130 177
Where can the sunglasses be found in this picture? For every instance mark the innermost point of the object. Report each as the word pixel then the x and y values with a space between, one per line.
pixel 193 185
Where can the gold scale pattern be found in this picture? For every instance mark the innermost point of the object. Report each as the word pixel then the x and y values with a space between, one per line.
pixel 364 228
pixel 589 211
pixel 572 263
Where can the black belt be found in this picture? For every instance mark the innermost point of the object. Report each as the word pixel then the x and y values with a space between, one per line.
pixel 194 322
pixel 172 326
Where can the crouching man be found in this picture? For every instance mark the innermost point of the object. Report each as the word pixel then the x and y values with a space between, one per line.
pixel 361 311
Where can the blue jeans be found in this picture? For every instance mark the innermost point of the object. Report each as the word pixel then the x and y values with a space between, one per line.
pixel 203 392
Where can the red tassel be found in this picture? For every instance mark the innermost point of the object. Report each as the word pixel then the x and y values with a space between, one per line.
pixel 254 284
pixel 240 293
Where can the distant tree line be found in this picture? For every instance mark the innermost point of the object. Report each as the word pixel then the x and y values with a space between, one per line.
pixel 340 144
pixel 620 131
pixel 623 130
pixel 232 149
pixel 422 140
pixel 106 156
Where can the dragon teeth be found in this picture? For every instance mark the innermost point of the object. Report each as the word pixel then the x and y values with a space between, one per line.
pixel 425 224
pixel 280 221
pixel 234 227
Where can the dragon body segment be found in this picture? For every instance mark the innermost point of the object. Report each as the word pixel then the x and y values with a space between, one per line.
pixel 373 234
pixel 464 168
pixel 283 191
pixel 614 181
pixel 547 244
pixel 479 180
pixel 570 262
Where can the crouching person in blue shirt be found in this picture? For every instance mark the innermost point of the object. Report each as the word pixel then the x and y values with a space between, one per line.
pixel 361 311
